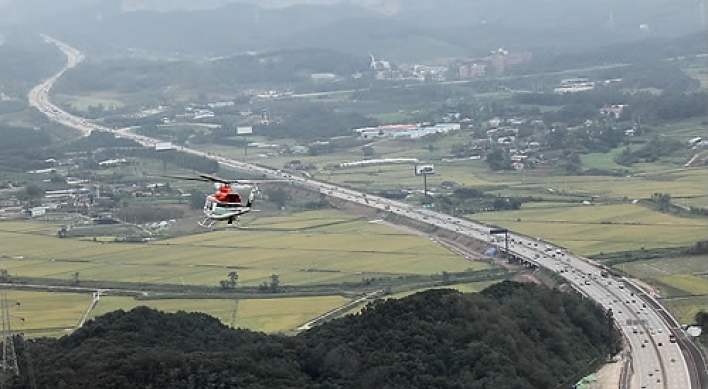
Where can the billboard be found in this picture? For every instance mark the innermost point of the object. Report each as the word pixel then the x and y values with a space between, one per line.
pixel 422 170
pixel 160 146
pixel 244 130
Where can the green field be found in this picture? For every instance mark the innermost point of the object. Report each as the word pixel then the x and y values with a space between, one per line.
pixel 46 313
pixel 695 265
pixel 595 229
pixel 56 314
pixel 109 100
pixel 472 287
pixel 267 315
pixel 694 285
pixel 603 161
pixel 684 274
pixel 685 309
pixel 393 118
pixel 311 248
pixel 675 278
pixel 700 74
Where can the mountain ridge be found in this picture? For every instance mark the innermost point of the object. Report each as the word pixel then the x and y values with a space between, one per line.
pixel 418 28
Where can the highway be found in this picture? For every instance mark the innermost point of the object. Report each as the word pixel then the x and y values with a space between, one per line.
pixel 657 362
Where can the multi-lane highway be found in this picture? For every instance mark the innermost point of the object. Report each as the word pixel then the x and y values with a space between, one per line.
pixel 657 361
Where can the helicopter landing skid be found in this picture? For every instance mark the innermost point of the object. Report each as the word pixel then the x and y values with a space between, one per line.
pixel 207 223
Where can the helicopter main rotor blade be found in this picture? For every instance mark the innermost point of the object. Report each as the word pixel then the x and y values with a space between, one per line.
pixel 186 178
pixel 201 177
pixel 208 177
pixel 253 182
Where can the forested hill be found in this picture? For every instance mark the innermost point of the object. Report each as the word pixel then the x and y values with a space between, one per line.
pixel 509 336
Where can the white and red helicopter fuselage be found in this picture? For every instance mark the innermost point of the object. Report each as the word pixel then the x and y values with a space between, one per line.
pixel 227 204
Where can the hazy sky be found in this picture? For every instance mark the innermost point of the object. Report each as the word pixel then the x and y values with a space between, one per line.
pixel 167 4
pixel 383 5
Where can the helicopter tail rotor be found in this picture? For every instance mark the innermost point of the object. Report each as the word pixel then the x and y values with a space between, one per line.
pixel 255 191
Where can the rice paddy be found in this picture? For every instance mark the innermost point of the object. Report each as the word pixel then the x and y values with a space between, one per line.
pixel 312 248
pixel 595 229
pixel 266 315
pixel 681 280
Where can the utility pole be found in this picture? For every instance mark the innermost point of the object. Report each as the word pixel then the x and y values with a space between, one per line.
pixel 30 364
pixel 234 314
pixel 610 327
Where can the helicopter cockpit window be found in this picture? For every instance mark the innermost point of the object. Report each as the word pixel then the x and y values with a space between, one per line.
pixel 228 205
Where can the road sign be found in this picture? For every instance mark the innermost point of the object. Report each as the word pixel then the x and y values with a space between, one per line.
pixel 635 322
pixel 424 170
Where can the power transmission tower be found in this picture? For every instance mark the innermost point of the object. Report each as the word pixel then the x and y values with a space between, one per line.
pixel 30 365
pixel 9 357
pixel 234 314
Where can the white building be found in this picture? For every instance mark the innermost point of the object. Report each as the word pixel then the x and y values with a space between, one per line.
pixel 574 85
pixel 372 162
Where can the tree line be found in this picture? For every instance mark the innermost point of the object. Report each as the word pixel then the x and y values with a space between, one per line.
pixel 653 108
pixel 314 122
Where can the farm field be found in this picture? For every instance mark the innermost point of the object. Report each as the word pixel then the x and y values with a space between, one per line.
pixel 685 275
pixel 307 248
pixel 694 285
pixel 678 182
pixel 681 281
pixel 594 229
pixel 685 309
pixel 472 287
pixel 311 248
pixel 653 268
pixel 46 313
pixel 700 74
pixel 34 318
pixel 603 161
pixel 642 182
pixel 82 102
pixel 267 315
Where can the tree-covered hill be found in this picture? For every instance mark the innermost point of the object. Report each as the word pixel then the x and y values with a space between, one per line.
pixel 134 75
pixel 23 63
pixel 509 336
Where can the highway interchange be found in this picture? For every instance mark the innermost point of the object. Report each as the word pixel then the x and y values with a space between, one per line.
pixel 656 361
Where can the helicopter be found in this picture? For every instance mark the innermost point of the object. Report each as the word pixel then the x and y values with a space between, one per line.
pixel 228 203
